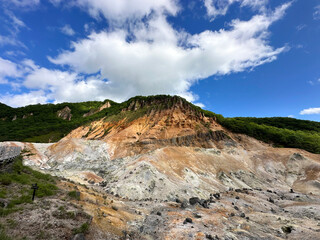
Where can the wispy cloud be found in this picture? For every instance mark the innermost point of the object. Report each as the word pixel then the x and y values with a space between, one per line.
pixel 301 27
pixel 221 7
pixel 10 40
pixel 14 22
pixel 312 83
pixel 22 3
pixel 67 30
pixel 316 13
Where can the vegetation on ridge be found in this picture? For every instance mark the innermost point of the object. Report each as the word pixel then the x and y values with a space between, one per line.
pixel 45 126
pixel 281 132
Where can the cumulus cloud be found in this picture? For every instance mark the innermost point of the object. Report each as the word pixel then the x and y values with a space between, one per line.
pixel 149 57
pixel 310 111
pixel 67 30
pixel 162 60
pixel 220 7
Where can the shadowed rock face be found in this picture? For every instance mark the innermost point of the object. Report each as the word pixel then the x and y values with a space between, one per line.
pixel 174 153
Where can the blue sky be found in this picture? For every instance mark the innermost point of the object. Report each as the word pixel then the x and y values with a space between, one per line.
pixel 234 57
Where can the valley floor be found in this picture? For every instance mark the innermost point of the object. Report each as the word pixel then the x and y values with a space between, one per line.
pixel 235 214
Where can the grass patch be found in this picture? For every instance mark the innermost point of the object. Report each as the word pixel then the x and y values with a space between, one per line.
pixel 6 211
pixel 74 195
pixel 15 186
pixel 4 236
pixel 61 213
pixel 3 193
pixel 84 228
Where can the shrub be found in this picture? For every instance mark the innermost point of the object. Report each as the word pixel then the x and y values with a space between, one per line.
pixel 84 228
pixel 5 179
pixel 74 195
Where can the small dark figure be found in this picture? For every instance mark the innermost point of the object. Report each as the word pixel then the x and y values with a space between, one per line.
pixel 34 187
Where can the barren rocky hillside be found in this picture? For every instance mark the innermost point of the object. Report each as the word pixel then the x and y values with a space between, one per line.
pixel 169 172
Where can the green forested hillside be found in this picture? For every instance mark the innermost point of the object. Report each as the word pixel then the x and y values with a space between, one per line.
pixel 41 123
pixel 285 122
pixel 281 132
pixel 44 125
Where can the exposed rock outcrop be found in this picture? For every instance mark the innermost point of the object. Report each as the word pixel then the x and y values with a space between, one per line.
pixel 104 106
pixel 65 113
pixel 27 115
pixel 93 111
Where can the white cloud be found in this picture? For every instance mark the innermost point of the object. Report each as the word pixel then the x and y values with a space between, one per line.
pixel 120 10
pixel 24 99
pixel 8 69
pixel 10 40
pixel 14 23
pixel 157 59
pixel 162 60
pixel 199 104
pixel 310 111
pixel 67 30
pixel 62 86
pixel 220 7
pixel 291 116
pixel 22 3
pixel 316 13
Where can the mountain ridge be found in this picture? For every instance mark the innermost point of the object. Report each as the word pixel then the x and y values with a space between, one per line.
pixel 40 123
